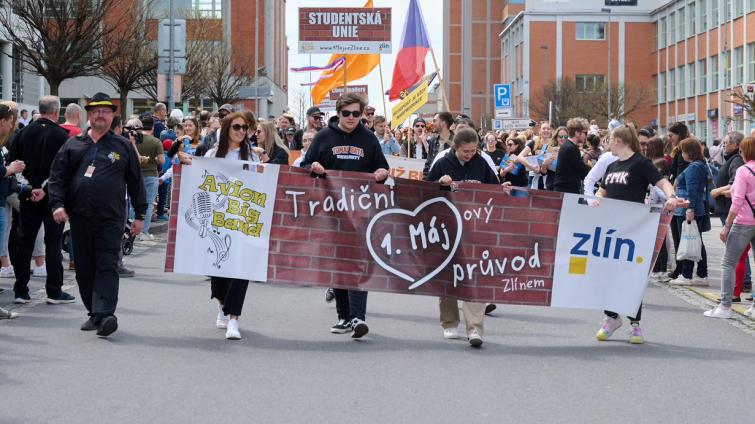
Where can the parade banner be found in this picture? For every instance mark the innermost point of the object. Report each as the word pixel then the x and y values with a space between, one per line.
pixel 411 103
pixel 415 237
pixel 225 211
pixel 409 168
pixel 337 92
pixel 345 30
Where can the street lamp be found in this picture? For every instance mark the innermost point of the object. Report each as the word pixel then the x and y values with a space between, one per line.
pixel 608 77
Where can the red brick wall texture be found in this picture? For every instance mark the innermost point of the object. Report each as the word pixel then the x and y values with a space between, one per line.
pixel 320 227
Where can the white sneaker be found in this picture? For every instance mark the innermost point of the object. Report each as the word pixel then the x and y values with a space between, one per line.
pixel 39 271
pixel 681 281
pixel 7 272
pixel 653 277
pixel 146 237
pixel 607 328
pixel 750 312
pixel 232 333
pixel 719 312
pixel 700 281
pixel 222 320
pixel 450 333
pixel 663 277
pixel 475 339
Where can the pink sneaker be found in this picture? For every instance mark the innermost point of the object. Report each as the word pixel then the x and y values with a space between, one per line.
pixel 608 327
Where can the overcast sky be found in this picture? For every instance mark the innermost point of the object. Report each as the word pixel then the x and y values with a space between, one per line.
pixel 433 14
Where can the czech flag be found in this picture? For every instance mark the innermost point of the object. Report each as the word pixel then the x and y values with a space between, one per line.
pixel 410 63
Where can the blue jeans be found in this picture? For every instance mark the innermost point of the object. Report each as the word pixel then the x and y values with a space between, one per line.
pixel 150 186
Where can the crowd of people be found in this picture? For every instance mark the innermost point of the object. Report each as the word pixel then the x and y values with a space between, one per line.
pixel 107 173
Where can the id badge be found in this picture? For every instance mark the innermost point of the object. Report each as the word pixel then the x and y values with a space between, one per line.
pixel 89 171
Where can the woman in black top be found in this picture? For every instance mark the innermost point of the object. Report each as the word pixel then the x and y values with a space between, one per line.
pixel 628 179
pixel 270 147
pixel 462 163
pixel 492 149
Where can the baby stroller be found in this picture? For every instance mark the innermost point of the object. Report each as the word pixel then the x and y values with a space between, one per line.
pixel 127 242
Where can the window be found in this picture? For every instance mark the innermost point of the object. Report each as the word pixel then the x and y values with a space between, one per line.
pixel 726 58
pixel 691 68
pixel 662 87
pixel 751 59
pixel 751 7
pixel 662 33
pixel 188 9
pixel 207 8
pixel 587 83
pixel 714 73
pixel 671 86
pixel 703 131
pixel 702 82
pixel 680 80
pixel 703 15
pixel 682 21
pixel 739 8
pixel 739 66
pixel 591 31
pixel 714 13
pixel 691 18
pixel 671 30
pixel 727 10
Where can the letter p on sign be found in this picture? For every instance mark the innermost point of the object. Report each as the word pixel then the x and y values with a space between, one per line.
pixel 502 95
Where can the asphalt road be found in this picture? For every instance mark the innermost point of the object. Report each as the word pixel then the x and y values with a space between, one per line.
pixel 169 364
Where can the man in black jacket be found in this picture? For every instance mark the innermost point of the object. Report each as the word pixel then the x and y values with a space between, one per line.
pixel 441 140
pixel 89 180
pixel 571 170
pixel 347 145
pixel 36 145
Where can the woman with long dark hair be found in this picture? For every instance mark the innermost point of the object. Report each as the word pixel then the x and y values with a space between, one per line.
pixel 511 170
pixel 692 185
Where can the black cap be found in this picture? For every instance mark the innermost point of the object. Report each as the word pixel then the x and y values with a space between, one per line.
pixel 291 130
pixel 314 111
pixel 100 99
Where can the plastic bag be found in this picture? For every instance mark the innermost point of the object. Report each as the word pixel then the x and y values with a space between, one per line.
pixel 690 244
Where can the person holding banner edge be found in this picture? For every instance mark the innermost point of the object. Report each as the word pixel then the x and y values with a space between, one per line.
pixel 463 163
pixel 230 292
pixel 364 155
pixel 628 179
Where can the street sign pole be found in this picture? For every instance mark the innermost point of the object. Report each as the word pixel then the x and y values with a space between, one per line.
pixel 172 55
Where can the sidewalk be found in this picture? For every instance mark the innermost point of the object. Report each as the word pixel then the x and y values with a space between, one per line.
pixel 715 251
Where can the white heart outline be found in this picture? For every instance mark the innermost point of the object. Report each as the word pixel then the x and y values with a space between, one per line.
pixel 414 213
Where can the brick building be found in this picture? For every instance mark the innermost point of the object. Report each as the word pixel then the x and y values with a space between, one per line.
pixel 238 22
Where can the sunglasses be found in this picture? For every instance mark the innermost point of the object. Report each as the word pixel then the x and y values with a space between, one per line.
pixel 562 137
pixel 419 126
pixel 510 144
pixel 354 113
pixel 370 113
pixel 258 132
pixel 238 127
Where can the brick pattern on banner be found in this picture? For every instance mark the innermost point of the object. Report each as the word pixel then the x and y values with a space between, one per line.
pixel 504 237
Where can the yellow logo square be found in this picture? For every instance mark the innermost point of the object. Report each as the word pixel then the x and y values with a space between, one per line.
pixel 577 265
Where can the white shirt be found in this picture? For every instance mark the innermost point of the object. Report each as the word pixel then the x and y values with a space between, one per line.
pixel 598 171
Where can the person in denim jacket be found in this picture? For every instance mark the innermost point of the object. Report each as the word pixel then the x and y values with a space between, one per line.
pixel 691 185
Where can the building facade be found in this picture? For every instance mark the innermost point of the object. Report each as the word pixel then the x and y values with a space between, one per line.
pixel 239 23
pixel 704 49
pixel 17 83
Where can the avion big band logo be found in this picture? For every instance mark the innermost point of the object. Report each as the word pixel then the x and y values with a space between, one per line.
pixel 600 245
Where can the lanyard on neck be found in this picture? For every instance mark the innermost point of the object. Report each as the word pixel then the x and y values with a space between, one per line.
pixel 94 155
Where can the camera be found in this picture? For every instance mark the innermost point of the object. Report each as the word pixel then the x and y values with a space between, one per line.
pixel 132 132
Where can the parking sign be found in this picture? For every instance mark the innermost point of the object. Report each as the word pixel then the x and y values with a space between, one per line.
pixel 502 95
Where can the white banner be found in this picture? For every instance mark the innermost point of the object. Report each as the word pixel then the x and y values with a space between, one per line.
pixel 406 167
pixel 224 217
pixel 603 254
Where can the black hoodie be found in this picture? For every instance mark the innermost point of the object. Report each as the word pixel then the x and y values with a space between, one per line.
pixel 335 149
pixel 476 170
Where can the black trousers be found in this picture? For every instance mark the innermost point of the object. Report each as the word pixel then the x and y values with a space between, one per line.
pixel 96 247
pixel 31 217
pixel 230 292
pixel 351 304
pixel 637 317
pixel 661 263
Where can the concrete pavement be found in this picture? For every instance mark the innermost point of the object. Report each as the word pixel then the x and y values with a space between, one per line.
pixel 168 364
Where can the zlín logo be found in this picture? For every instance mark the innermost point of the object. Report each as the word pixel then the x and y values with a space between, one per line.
pixel 600 246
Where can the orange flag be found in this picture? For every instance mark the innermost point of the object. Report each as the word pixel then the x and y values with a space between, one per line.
pixel 357 66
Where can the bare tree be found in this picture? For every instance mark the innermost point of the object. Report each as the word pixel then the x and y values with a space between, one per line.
pixel 568 102
pixel 739 97
pixel 303 101
pixel 226 74
pixel 134 57
pixel 59 39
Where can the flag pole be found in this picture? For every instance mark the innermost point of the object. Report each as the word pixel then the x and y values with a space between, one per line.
pixel 382 89
pixel 345 81
pixel 442 87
